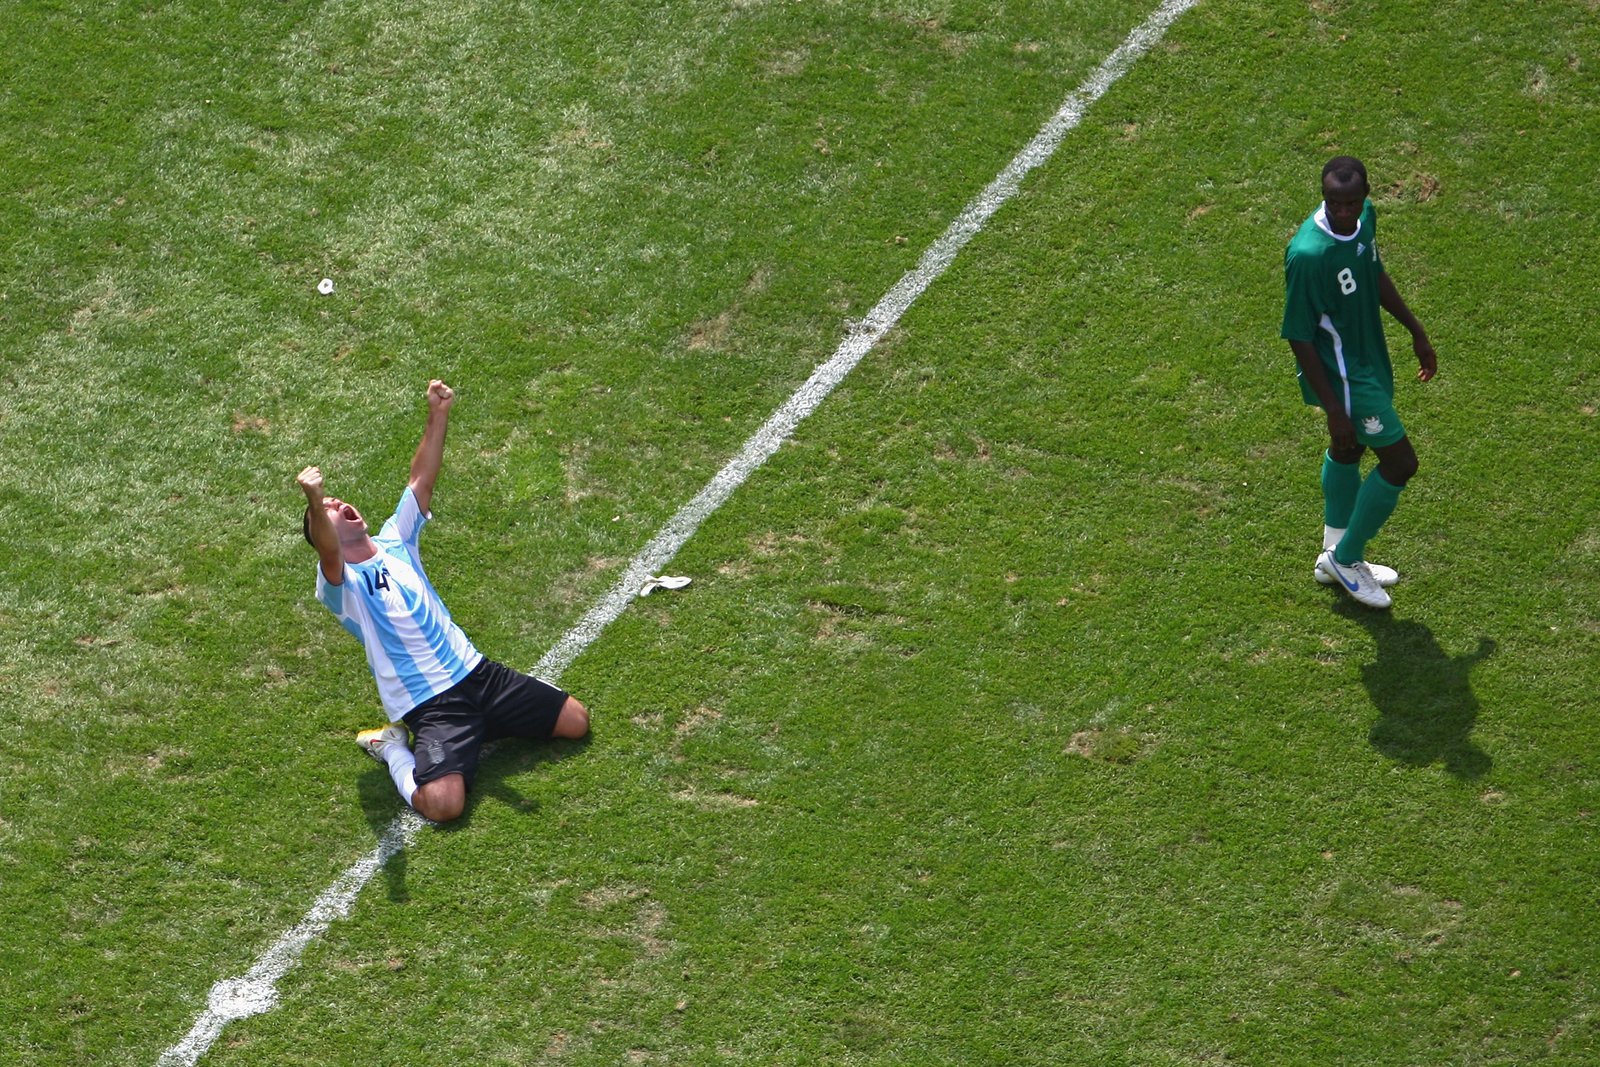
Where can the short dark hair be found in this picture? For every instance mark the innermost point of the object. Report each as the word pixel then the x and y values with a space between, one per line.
pixel 1344 170
pixel 305 526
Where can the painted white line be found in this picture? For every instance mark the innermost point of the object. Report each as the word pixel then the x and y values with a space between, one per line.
pixel 256 991
pixel 862 337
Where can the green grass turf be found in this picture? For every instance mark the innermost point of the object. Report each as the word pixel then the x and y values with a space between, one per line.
pixel 1003 722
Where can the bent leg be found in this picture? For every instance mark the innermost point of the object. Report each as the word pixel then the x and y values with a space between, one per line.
pixel 447 737
pixel 573 720
pixel 442 799
pixel 520 705
pixel 1374 504
pixel 1398 462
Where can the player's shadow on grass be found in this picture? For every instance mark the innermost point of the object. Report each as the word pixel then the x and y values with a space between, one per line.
pixel 380 803
pixel 510 757
pixel 1426 708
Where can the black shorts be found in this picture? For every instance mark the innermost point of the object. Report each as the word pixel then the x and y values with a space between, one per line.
pixel 492 702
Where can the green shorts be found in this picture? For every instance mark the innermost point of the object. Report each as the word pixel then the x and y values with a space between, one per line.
pixel 1378 428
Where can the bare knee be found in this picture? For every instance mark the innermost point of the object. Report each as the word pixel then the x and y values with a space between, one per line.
pixel 1398 474
pixel 1398 463
pixel 573 720
pixel 442 799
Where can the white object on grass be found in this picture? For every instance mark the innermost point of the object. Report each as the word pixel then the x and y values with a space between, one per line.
pixel 325 286
pixel 665 581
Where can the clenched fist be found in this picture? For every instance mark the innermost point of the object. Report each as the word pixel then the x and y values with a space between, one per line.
pixel 311 484
pixel 440 395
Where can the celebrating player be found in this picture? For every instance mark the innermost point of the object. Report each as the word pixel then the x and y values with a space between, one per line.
pixel 1334 285
pixel 430 677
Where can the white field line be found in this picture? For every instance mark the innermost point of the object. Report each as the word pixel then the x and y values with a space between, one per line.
pixel 862 337
pixel 255 991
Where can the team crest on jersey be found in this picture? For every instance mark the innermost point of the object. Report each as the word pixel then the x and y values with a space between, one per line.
pixel 1372 424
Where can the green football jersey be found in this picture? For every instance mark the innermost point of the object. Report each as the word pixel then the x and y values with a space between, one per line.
pixel 1331 300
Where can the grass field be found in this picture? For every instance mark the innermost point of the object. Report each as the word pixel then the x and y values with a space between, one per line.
pixel 1002 723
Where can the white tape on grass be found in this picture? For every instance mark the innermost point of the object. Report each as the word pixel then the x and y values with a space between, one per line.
pixel 256 991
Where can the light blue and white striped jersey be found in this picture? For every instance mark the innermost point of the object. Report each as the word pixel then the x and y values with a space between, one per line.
pixel 414 649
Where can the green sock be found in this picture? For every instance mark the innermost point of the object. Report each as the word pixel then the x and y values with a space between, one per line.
pixel 1340 484
pixel 1374 504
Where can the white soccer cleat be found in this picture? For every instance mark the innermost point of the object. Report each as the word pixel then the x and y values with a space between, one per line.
pixel 372 741
pixel 1356 579
pixel 1384 576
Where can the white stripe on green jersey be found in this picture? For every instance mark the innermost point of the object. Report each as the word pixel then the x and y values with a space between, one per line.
pixel 414 648
pixel 1338 358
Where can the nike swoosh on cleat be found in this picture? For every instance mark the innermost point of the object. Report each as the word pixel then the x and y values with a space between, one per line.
pixel 1337 570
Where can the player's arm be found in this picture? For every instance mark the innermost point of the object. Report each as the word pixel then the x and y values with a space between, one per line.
pixel 323 539
pixel 1301 288
pixel 1389 299
pixel 1341 431
pixel 430 450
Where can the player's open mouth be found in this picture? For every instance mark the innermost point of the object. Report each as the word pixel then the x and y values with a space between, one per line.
pixel 349 513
